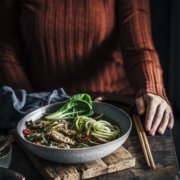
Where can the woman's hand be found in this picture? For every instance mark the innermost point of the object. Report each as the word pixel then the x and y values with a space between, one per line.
pixel 159 114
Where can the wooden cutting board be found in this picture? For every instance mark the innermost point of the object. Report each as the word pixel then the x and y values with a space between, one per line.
pixel 119 160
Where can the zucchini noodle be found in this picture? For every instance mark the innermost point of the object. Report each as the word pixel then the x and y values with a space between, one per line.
pixel 98 129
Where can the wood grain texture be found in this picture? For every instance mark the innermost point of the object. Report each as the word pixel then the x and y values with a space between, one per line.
pixel 164 156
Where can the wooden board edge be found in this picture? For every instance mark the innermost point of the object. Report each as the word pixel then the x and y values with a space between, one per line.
pixel 122 165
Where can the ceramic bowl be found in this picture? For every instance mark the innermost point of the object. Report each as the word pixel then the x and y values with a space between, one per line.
pixel 78 155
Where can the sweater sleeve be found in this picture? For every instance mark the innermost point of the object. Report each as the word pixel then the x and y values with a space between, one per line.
pixel 12 71
pixel 141 60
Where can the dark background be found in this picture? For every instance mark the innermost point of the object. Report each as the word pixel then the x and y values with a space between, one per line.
pixel 165 19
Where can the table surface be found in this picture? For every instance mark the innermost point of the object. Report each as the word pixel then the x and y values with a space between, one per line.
pixel 162 149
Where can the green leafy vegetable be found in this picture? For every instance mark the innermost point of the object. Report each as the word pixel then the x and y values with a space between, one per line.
pixel 100 129
pixel 79 104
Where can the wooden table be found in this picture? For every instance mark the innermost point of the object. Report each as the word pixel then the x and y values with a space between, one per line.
pixel 162 149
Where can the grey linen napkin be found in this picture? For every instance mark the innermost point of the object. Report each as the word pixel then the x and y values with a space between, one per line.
pixel 14 104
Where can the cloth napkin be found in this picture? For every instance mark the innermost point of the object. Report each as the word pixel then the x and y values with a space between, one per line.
pixel 15 104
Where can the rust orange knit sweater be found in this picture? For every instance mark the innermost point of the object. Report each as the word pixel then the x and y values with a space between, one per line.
pixel 81 45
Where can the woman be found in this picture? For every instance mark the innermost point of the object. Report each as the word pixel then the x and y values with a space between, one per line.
pixel 84 45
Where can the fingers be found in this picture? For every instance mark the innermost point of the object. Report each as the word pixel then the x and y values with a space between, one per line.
pixel 140 105
pixel 164 122
pixel 159 113
pixel 171 121
pixel 150 113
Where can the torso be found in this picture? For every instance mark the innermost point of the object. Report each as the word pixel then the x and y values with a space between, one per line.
pixel 72 44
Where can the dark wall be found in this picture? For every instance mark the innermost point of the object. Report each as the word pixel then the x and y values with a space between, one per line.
pixel 160 19
pixel 165 17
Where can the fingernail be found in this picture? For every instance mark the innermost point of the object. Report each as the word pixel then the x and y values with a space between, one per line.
pixel 160 131
pixel 147 128
pixel 152 133
pixel 170 126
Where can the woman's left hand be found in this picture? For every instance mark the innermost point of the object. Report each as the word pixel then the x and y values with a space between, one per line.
pixel 159 114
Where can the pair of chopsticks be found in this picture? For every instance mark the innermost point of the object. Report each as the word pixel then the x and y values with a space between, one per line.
pixel 144 142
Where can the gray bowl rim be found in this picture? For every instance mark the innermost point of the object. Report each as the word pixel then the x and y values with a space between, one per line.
pixel 8 152
pixel 75 149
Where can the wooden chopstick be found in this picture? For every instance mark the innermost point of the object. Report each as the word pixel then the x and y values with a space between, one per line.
pixel 144 142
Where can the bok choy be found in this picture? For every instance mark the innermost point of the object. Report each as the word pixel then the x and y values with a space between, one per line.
pixel 77 105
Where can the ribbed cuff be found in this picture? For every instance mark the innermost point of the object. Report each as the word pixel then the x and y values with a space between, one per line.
pixel 153 89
